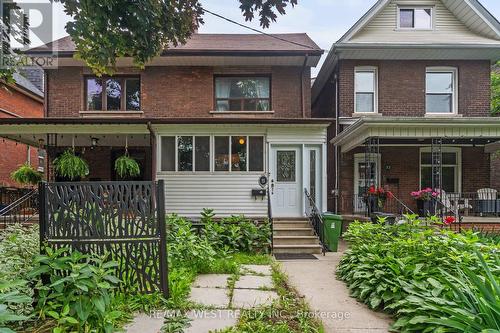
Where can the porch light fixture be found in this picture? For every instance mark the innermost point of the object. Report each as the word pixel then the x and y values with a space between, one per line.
pixel 242 141
pixel 94 142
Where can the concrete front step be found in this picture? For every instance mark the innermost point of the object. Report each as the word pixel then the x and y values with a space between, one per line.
pixel 278 231
pixel 295 240
pixel 292 225
pixel 297 249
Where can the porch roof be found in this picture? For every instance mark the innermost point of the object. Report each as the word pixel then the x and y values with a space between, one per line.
pixel 459 128
pixel 112 131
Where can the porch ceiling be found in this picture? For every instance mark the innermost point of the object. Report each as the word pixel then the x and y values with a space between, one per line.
pixel 401 130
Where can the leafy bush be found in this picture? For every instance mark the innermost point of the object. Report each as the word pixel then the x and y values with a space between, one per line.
pixel 27 175
pixel 495 93
pixel 80 290
pixel 238 234
pixel 9 295
pixel 406 269
pixel 126 166
pixel 70 166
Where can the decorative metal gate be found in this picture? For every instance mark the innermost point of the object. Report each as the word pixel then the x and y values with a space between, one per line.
pixel 125 219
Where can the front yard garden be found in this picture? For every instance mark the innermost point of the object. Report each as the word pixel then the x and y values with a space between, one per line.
pixel 429 278
pixel 82 294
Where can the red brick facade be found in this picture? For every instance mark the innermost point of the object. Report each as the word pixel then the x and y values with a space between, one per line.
pixel 401 86
pixel 182 91
pixel 14 104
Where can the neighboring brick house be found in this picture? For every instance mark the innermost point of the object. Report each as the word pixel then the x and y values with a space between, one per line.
pixel 210 117
pixel 409 86
pixel 19 100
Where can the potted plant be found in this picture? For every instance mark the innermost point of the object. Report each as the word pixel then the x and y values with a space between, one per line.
pixel 426 203
pixel 126 166
pixel 27 175
pixel 376 198
pixel 70 166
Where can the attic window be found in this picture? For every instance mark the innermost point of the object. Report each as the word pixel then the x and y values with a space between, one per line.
pixel 415 18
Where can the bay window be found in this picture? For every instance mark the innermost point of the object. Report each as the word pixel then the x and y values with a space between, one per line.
pixel 242 93
pixel 113 93
pixel 365 85
pixel 440 91
pixel 237 153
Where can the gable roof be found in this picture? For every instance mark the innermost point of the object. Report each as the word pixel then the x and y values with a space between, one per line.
pixel 209 44
pixel 471 13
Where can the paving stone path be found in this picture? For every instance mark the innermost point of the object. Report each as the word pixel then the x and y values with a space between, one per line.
pixel 221 300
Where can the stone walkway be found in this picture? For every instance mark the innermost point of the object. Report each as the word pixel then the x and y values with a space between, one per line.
pixel 329 298
pixel 220 300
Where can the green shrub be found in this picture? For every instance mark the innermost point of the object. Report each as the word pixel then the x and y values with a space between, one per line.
pixel 10 295
pixel 80 290
pixel 126 166
pixel 27 175
pixel 70 166
pixel 405 270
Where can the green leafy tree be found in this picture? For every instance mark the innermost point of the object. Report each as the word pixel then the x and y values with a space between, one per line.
pixel 495 90
pixel 106 30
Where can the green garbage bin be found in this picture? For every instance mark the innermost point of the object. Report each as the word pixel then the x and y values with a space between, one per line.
pixel 332 230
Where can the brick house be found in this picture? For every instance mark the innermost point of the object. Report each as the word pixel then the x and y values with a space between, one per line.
pixel 409 87
pixel 210 117
pixel 22 99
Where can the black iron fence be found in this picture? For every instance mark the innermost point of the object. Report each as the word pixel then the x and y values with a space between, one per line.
pixel 9 195
pixel 316 220
pixel 124 219
pixel 361 204
pixel 23 210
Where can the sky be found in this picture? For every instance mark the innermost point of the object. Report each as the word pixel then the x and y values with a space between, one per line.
pixel 325 21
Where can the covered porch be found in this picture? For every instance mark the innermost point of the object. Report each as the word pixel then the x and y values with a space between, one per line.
pixel 454 157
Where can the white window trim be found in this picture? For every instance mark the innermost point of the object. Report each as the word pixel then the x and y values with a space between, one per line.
pixel 398 18
pixel 458 177
pixel 373 69
pixel 454 100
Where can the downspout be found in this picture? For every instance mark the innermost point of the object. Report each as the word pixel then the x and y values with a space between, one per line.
pixel 152 143
pixel 302 88
pixel 337 131
pixel 45 94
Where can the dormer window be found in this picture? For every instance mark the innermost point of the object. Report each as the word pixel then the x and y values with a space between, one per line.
pixel 418 18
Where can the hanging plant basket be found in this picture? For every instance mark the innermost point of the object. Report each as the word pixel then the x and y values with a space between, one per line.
pixel 70 166
pixel 27 175
pixel 126 166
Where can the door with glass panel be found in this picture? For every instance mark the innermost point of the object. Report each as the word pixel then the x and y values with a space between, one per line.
pixel 366 174
pixel 313 175
pixel 286 181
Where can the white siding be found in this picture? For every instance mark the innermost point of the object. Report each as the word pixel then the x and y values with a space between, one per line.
pixel 227 194
pixel 447 28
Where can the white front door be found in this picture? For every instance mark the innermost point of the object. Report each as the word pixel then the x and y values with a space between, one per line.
pixel 286 181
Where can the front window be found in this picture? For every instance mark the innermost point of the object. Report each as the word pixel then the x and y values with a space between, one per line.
pixel 415 18
pixel 440 91
pixel 239 153
pixel 451 165
pixel 113 94
pixel 242 94
pixel 365 90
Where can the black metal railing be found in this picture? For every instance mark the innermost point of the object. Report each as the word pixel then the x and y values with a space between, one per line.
pixel 358 204
pixel 270 216
pixel 316 220
pixel 9 195
pixel 22 210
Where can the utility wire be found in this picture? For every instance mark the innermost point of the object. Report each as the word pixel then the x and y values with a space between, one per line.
pixel 258 31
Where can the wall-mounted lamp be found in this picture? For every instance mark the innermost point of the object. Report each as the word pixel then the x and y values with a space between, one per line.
pixel 93 142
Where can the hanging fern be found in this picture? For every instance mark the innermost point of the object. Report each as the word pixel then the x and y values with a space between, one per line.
pixel 126 166
pixel 70 166
pixel 27 175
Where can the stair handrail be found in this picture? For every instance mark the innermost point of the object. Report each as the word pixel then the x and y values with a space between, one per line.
pixel 270 216
pixel 316 221
pixel 10 210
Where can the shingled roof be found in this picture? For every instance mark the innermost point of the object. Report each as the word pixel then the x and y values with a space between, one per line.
pixel 293 43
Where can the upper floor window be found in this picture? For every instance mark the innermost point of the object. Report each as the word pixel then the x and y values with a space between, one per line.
pixel 242 93
pixel 365 89
pixel 415 18
pixel 113 93
pixel 440 91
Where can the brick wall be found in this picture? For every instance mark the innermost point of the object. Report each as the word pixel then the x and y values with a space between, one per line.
pixel 15 104
pixel 495 171
pixel 401 86
pixel 181 91
pixel 403 164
